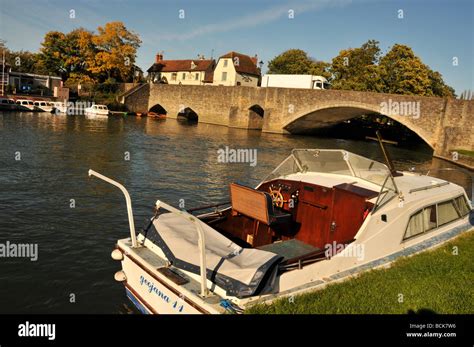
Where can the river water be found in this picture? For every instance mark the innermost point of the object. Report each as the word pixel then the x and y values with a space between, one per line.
pixel 46 197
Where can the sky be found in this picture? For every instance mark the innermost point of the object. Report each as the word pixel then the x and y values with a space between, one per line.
pixel 439 31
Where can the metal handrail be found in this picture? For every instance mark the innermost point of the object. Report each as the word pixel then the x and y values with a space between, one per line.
pixel 201 241
pixel 131 223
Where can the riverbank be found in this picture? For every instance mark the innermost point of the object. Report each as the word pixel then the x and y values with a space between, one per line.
pixel 436 281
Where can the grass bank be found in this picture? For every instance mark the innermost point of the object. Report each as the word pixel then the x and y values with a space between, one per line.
pixel 465 152
pixel 438 281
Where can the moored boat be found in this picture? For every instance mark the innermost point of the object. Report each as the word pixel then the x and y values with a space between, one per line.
pixel 44 106
pixel 156 115
pixel 97 110
pixel 7 104
pixel 59 107
pixel 26 105
pixel 321 216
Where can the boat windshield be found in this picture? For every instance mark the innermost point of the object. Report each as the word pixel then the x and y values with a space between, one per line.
pixel 338 162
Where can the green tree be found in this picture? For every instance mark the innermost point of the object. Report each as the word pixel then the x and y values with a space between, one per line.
pixel 356 68
pixel 297 62
pixel 403 72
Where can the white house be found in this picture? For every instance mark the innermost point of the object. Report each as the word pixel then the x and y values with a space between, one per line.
pixel 235 69
pixel 188 71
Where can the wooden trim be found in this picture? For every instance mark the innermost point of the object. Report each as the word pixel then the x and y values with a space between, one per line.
pixel 166 285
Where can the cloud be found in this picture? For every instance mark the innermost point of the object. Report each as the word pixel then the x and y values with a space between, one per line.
pixel 252 20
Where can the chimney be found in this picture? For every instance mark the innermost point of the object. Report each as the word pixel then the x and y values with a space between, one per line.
pixel 159 57
pixel 254 59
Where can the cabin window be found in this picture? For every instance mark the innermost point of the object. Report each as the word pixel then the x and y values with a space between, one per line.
pixel 434 216
pixel 429 218
pixel 415 225
pixel 447 212
pixel 461 205
pixel 224 76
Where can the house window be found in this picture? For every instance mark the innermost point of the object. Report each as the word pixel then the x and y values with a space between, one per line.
pixel 173 76
pixel 224 76
pixel 196 77
pixel 225 62
pixel 184 76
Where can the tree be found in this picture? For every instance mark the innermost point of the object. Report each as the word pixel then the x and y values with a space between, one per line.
pixel 116 49
pixel 297 62
pixel 64 54
pixel 356 68
pixel 403 72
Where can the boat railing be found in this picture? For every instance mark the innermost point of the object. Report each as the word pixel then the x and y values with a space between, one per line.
pixel 201 240
pixel 159 204
pixel 133 235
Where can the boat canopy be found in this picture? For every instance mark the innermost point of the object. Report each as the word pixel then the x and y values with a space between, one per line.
pixel 338 162
pixel 241 272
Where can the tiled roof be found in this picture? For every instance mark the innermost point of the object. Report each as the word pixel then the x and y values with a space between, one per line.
pixel 245 64
pixel 181 65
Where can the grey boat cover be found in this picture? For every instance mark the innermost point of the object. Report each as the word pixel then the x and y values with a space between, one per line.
pixel 240 271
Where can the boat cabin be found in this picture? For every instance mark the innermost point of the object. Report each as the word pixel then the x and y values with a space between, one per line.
pixel 314 198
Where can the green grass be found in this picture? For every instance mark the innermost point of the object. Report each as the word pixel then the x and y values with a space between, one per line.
pixel 436 281
pixel 465 152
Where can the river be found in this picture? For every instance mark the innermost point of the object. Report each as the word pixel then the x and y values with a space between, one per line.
pixel 46 197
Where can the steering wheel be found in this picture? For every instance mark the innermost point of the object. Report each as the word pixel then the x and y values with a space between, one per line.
pixel 277 197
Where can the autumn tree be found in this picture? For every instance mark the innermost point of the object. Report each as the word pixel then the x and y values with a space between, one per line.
pixel 83 56
pixel 116 48
pixel 297 62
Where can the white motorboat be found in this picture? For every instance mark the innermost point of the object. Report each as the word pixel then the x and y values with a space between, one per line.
pixel 26 105
pixel 7 104
pixel 59 107
pixel 321 216
pixel 44 106
pixel 97 110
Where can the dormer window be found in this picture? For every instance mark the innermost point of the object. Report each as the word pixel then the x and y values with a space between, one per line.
pixel 193 66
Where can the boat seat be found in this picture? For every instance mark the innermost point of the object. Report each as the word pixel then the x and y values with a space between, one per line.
pixel 256 205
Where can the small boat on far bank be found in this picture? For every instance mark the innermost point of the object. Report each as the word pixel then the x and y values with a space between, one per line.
pixel 97 110
pixel 44 106
pixel 156 115
pixel 26 105
pixel 7 105
pixel 59 107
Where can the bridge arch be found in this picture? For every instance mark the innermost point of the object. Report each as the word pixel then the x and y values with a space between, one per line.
pixel 256 113
pixel 158 109
pixel 326 114
pixel 189 114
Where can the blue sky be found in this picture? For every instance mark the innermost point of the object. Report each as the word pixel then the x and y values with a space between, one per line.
pixel 437 30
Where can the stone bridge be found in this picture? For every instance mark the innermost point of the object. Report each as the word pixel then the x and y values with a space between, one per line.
pixel 445 124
